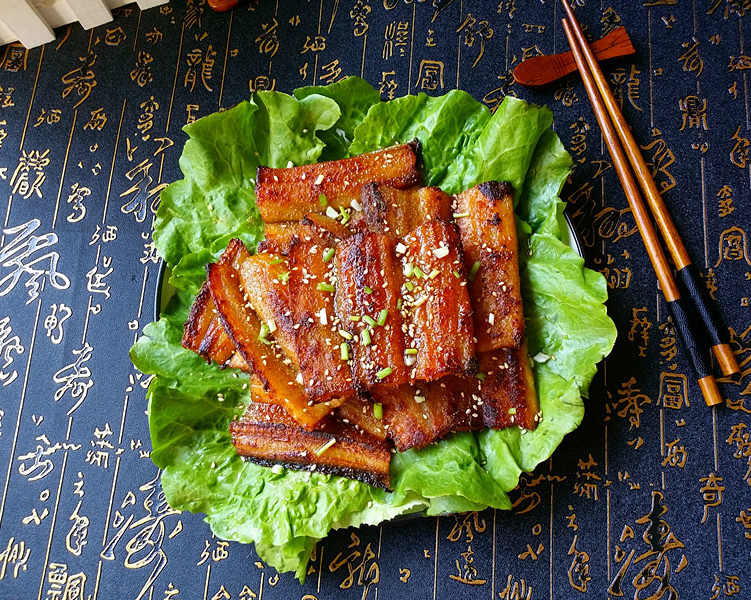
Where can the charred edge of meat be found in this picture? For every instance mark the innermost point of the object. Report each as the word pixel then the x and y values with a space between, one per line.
pixel 496 190
pixel 367 477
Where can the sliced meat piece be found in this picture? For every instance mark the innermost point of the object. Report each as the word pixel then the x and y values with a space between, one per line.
pixel 325 373
pixel 359 411
pixel 262 355
pixel 488 233
pixel 508 391
pixel 203 332
pixel 264 281
pixel 368 280
pixel 267 435
pixel 436 304
pixel 290 194
pixel 386 209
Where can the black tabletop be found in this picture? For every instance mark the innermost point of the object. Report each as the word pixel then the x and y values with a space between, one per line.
pixel 650 498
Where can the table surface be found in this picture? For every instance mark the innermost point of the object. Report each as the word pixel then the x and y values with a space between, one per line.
pixel 650 498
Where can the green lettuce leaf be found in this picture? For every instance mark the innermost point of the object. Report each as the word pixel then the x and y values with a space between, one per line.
pixel 191 403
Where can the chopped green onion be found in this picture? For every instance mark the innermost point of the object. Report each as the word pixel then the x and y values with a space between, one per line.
pixel 325 287
pixel 345 334
pixel 344 214
pixel 420 301
pixel 354 318
pixel 460 215
pixel 331 212
pixel 368 290
pixel 408 270
pixel 322 200
pixel 369 320
pixel 456 274
pixel 411 351
pixel 383 316
pixel 441 252
pixel 283 277
pixel 418 272
pixel 378 410
pixel 399 304
pixel 344 351
pixel 481 376
pixel 365 337
pixel 328 254
pixel 272 326
pixel 383 373
pixel 433 274
pixel 277 261
pixel 263 333
pixel 326 446
pixel 409 285
pixel 473 271
pixel 512 411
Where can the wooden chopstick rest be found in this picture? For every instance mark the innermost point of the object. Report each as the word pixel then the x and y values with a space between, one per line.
pixel 542 70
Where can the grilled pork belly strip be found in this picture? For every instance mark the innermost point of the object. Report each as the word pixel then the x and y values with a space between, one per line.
pixel 488 232
pixel 508 390
pixel 244 328
pixel 203 332
pixel 289 194
pixel 313 226
pixel 368 281
pixel 386 209
pixel 267 435
pixel 436 308
pixel 325 375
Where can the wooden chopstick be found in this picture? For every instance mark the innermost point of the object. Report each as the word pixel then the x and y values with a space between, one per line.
pixel 676 304
pixel 687 274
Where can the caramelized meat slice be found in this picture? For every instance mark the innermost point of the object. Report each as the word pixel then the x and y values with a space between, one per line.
pixel 262 355
pixel 203 332
pixel 368 280
pixel 387 209
pixel 313 226
pixel 324 364
pixel 289 194
pixel 268 436
pixel 419 414
pixel 359 412
pixel 264 278
pixel 488 232
pixel 436 303
pixel 508 391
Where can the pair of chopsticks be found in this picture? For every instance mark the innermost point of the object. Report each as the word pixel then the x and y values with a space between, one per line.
pixel 695 318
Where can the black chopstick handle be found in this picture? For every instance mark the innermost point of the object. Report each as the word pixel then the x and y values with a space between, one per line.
pixel 688 279
pixel 693 341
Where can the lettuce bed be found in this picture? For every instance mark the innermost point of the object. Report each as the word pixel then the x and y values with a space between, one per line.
pixel 285 513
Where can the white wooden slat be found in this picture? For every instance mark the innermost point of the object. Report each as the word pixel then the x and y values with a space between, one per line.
pixel 23 19
pixel 144 4
pixel 90 13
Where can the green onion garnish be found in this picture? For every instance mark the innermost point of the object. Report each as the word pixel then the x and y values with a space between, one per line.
pixel 328 254
pixel 326 446
pixel 433 274
pixel 409 285
pixel 325 287
pixel 456 274
pixel 411 351
pixel 383 373
pixel 512 411
pixel 263 333
pixel 344 214
pixel 481 376
pixel 365 337
pixel 399 304
pixel 368 290
pixel 378 410
pixel 283 277
pixel 383 316
pixel 344 351
pixel 418 272
pixel 473 271
pixel 345 334
pixel 354 318
pixel 322 199
pixel 277 261
pixel 460 215
pixel 369 320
